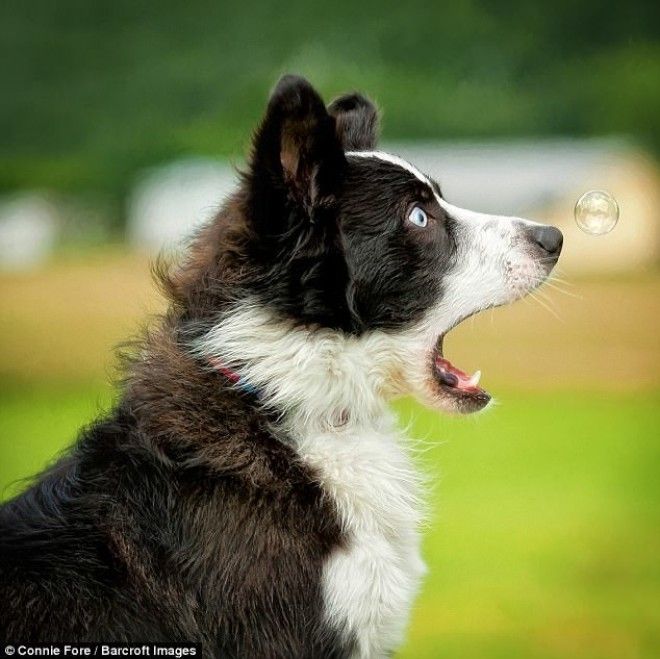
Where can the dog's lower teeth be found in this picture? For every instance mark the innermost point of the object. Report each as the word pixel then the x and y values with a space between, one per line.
pixel 474 380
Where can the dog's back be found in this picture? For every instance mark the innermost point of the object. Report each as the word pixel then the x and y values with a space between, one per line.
pixel 58 578
pixel 121 541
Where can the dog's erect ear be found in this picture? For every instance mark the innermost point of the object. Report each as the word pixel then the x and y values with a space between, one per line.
pixel 357 122
pixel 296 152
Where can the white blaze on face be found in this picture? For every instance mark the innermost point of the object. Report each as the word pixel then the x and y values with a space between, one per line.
pixel 493 263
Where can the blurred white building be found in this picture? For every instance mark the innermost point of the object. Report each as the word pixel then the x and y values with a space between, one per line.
pixel 543 180
pixel 28 230
pixel 168 202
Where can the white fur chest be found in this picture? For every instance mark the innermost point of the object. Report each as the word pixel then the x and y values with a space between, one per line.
pixel 369 585
pixel 331 389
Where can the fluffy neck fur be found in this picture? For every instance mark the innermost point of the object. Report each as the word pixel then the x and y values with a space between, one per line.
pixel 316 378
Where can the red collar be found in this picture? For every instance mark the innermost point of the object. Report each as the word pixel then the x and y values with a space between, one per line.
pixel 232 376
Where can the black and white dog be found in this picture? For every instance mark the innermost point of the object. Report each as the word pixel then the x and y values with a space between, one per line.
pixel 250 489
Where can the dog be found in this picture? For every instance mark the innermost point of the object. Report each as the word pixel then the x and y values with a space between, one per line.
pixel 250 490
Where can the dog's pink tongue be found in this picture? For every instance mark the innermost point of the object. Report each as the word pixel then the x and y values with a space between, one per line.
pixel 454 377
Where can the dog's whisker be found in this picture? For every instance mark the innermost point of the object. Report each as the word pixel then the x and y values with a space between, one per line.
pixel 553 277
pixel 554 287
pixel 545 305
pixel 543 295
pixel 556 283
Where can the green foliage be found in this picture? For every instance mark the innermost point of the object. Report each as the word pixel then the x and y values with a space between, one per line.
pixel 542 539
pixel 94 91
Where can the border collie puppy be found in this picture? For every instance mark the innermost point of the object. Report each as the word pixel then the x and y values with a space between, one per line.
pixel 250 489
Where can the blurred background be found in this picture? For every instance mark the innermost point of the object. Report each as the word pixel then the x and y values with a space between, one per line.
pixel 121 126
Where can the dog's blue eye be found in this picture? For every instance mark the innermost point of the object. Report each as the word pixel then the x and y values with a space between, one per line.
pixel 418 217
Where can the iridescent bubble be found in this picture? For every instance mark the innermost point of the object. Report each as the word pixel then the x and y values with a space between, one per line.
pixel 596 212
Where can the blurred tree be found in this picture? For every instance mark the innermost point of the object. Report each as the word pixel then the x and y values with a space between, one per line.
pixel 93 91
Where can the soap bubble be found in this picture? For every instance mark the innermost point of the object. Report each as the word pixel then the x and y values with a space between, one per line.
pixel 596 212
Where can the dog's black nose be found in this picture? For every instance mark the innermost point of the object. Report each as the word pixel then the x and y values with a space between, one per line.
pixel 548 239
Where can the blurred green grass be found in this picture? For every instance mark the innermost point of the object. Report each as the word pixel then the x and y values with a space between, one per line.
pixel 543 535
pixel 542 539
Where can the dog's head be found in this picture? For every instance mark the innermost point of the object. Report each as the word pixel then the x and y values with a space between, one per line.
pixel 359 244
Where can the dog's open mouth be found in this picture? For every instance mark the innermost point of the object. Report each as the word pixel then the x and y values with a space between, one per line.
pixel 463 388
